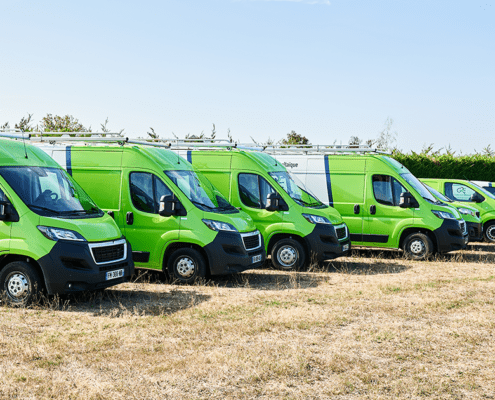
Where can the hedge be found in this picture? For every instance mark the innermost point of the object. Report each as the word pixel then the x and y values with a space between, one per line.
pixel 447 166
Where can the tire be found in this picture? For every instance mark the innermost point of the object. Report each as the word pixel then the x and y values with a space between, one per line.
pixel 489 232
pixel 20 283
pixel 418 246
pixel 288 255
pixel 186 265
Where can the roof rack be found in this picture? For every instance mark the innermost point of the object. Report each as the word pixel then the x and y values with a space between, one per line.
pixel 320 149
pixel 53 137
pixel 186 144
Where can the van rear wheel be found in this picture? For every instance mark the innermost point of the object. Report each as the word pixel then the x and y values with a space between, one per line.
pixel 418 246
pixel 186 265
pixel 489 232
pixel 288 255
pixel 20 283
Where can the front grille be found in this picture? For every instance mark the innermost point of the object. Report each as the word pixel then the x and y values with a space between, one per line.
pixel 108 252
pixel 341 233
pixel 252 241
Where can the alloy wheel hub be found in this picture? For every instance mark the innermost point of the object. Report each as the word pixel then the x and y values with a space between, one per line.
pixel 287 256
pixel 490 233
pixel 186 267
pixel 417 247
pixel 18 286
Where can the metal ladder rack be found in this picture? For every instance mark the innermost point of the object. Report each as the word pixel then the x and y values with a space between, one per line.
pixel 52 137
pixel 320 149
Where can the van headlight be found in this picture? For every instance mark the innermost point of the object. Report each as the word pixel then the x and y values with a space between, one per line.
pixel 443 214
pixel 467 211
pixel 316 219
pixel 219 226
pixel 60 234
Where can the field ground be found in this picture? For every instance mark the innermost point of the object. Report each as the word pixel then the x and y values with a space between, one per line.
pixel 373 326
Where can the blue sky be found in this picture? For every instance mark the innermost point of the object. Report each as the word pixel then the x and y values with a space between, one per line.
pixel 326 69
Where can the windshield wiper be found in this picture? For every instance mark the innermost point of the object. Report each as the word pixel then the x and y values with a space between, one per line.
pixel 202 204
pixel 433 202
pixel 43 208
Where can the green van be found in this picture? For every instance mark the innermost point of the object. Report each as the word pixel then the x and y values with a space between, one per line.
pixel 471 194
pixel 382 203
pixel 53 237
pixel 298 229
pixel 470 214
pixel 174 218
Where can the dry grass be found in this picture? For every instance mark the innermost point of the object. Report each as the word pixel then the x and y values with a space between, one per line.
pixel 371 326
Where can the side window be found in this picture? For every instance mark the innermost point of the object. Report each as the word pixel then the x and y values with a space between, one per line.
pixel 249 190
pixel 141 185
pixel 382 189
pixel 457 191
pixel 266 189
pixel 253 190
pixel 398 190
pixel 160 190
pixel 2 196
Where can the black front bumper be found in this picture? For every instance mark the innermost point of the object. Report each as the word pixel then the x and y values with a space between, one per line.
pixel 475 231
pixel 70 267
pixel 450 237
pixel 228 255
pixel 324 244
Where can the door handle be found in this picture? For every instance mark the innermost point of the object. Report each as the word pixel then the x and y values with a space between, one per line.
pixel 129 218
pixel 356 209
pixel 372 209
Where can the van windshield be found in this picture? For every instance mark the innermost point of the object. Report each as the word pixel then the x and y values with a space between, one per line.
pixel 484 191
pixel 50 192
pixel 419 187
pixel 297 190
pixel 439 195
pixel 200 191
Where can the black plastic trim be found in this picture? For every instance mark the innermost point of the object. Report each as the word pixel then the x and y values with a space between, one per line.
pixel 57 275
pixel 141 256
pixel 227 254
pixel 450 237
pixel 364 237
pixel 324 245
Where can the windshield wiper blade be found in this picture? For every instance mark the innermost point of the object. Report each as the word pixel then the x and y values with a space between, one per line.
pixel 43 208
pixel 202 204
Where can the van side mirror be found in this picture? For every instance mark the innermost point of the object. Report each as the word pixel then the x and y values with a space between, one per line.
pixel 407 200
pixel 477 198
pixel 8 212
pixel 275 202
pixel 170 205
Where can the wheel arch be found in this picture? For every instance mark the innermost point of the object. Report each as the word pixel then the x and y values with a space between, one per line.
pixel 278 236
pixel 406 232
pixel 180 245
pixel 8 258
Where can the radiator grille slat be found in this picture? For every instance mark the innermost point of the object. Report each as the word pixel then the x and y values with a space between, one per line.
pixel 108 253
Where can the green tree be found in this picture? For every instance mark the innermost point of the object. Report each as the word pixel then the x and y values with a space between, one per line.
pixel 57 123
pixel 294 138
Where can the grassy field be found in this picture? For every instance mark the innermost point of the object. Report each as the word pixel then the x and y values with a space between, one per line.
pixel 372 326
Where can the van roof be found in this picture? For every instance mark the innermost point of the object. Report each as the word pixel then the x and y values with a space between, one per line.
pixel 163 157
pixel 247 159
pixel 13 153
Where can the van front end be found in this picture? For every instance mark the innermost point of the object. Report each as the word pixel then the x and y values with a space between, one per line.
pixel 234 252
pixel 75 266
pixel 327 242
pixel 452 235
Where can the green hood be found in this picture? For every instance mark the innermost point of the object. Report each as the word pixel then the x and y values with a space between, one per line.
pixel 241 221
pixel 92 229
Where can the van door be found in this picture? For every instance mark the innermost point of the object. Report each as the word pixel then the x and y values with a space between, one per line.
pixel 383 211
pixel 5 228
pixel 346 187
pixel 252 191
pixel 146 230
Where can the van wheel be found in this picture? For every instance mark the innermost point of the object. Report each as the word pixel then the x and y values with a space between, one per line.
pixel 288 255
pixel 418 246
pixel 20 283
pixel 186 265
pixel 490 232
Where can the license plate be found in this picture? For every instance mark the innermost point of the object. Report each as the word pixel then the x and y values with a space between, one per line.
pixel 345 247
pixel 119 273
pixel 257 258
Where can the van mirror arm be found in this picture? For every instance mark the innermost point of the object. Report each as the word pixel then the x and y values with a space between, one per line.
pixel 8 212
pixel 171 205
